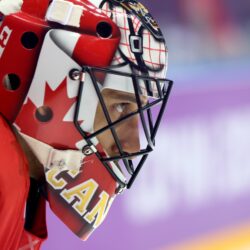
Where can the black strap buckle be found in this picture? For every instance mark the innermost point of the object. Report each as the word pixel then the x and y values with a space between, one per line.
pixel 136 44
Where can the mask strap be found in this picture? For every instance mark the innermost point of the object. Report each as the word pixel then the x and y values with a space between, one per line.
pixel 50 157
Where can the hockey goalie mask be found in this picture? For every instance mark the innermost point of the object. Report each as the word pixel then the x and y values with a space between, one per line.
pixel 87 91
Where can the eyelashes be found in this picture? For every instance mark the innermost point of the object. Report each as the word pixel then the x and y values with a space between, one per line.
pixel 120 107
pixel 119 110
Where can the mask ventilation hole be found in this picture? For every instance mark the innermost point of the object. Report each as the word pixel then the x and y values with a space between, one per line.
pixel 29 40
pixel 104 30
pixel 44 114
pixel 11 82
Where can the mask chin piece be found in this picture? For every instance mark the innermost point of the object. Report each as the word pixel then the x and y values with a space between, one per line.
pixel 120 189
pixel 129 166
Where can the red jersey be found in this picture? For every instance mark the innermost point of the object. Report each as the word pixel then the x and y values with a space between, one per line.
pixel 14 189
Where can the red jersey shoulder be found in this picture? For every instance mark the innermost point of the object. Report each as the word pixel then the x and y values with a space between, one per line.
pixel 14 172
pixel 14 188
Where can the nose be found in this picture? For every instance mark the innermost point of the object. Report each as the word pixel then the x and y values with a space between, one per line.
pixel 128 135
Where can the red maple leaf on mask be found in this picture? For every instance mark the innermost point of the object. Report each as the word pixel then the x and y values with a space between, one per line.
pixel 55 132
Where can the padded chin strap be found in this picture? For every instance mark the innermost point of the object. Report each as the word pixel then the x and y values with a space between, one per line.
pixel 8 7
pixel 50 157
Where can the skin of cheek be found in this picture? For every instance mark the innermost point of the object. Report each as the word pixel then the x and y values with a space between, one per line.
pixel 127 131
pixel 104 138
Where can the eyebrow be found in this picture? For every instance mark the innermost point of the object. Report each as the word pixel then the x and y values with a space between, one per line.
pixel 127 97
pixel 123 97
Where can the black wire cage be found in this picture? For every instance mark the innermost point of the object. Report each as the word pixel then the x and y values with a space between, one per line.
pixel 150 115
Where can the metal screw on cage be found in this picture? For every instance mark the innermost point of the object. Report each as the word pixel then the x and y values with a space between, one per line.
pixel 75 74
pixel 87 150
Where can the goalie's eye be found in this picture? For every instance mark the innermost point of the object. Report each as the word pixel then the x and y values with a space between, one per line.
pixel 121 107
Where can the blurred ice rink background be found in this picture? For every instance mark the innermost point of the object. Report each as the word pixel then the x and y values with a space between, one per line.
pixel 194 192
